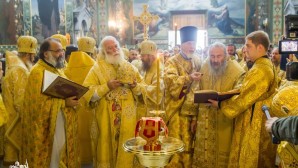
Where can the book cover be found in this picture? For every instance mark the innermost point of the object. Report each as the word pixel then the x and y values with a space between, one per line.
pixel 57 86
pixel 202 96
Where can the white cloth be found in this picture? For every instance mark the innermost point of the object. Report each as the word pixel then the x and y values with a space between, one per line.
pixel 95 97
pixel 59 140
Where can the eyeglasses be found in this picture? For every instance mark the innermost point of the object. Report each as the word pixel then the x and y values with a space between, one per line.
pixel 58 51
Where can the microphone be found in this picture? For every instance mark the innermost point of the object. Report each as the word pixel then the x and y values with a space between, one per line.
pixel 265 109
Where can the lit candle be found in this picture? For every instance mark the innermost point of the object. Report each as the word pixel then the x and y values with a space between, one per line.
pixel 67 35
pixel 157 81
pixel 175 34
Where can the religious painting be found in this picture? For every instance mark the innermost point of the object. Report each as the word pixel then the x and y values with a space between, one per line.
pixel 85 19
pixel 8 23
pixel 48 18
pixel 226 18
pixel 290 7
pixel 238 42
pixel 120 22
pixel 251 19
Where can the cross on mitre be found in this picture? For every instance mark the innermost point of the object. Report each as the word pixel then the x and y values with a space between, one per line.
pixel 146 18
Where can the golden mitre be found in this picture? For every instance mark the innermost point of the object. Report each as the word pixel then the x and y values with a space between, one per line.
pixel 86 44
pixel 285 101
pixel 148 47
pixel 27 44
pixel 126 73
pixel 62 38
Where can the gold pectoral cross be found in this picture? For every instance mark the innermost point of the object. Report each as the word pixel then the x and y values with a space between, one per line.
pixel 146 18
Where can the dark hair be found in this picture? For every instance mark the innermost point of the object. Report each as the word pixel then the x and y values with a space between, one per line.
pixel 70 49
pixel 232 45
pixel 45 46
pixel 259 37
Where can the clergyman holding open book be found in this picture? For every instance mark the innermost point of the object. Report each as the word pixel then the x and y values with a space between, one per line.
pixel 50 135
pixel 213 129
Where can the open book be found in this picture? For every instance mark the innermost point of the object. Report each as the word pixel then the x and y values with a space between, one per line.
pixel 57 86
pixel 202 96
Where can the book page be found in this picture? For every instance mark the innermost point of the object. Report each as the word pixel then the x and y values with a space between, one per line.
pixel 59 87
pixel 234 91
pixel 48 78
pixel 206 91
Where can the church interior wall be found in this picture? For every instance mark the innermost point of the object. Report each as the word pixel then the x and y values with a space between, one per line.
pixel 98 18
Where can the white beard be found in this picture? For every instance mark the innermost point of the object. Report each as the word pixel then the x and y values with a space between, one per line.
pixel 29 64
pixel 115 59
pixel 190 55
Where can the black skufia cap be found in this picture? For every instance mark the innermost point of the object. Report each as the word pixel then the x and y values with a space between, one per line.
pixel 188 33
pixel 70 49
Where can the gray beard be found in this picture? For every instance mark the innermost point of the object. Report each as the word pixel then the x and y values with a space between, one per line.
pixel 57 63
pixel 190 55
pixel 60 64
pixel 220 71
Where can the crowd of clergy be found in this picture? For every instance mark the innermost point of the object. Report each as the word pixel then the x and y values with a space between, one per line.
pixel 126 84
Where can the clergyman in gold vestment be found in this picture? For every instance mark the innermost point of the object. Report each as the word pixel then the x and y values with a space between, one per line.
pixel 3 118
pixel 251 144
pixel 214 130
pixel 284 104
pixel 13 88
pixel 78 67
pixel 113 84
pixel 49 123
pixel 150 61
pixel 180 72
pixel 276 59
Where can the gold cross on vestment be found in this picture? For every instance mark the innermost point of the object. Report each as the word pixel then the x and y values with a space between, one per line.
pixel 146 18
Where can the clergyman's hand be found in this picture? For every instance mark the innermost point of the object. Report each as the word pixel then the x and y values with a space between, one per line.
pixel 292 58
pixel 71 101
pixel 113 84
pixel 214 103
pixel 269 123
pixel 133 85
pixel 196 76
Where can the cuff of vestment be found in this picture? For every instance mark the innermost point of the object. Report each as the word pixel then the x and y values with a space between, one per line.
pixel 187 80
pixel 137 90
pixel 102 91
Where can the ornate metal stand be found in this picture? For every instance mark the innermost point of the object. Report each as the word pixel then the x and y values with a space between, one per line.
pixel 152 159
